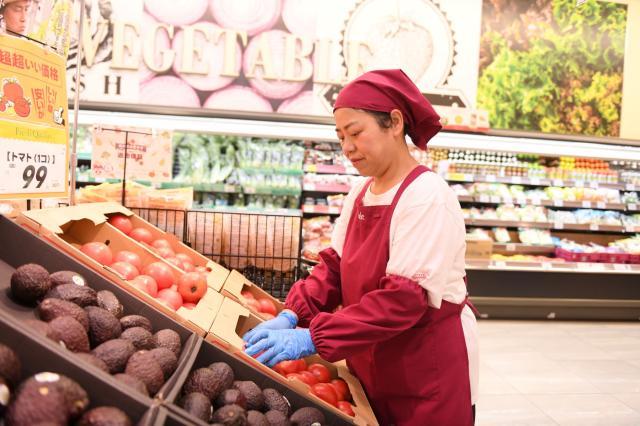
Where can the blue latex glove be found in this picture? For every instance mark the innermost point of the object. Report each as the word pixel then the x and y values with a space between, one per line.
pixel 280 345
pixel 285 320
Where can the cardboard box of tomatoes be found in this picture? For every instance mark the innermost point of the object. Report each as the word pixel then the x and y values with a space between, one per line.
pixel 103 237
pixel 249 295
pixel 332 385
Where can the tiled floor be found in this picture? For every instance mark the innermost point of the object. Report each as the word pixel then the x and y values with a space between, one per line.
pixel 559 373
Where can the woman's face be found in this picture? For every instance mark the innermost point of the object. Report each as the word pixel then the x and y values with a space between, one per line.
pixel 367 145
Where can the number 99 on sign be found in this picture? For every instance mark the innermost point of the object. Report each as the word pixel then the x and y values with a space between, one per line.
pixel 30 173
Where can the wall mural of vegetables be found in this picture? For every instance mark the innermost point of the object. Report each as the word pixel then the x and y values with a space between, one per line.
pixel 552 66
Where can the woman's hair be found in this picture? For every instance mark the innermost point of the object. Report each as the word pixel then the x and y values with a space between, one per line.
pixel 383 119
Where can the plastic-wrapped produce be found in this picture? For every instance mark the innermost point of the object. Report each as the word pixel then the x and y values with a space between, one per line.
pixel 270 88
pixel 211 61
pixel 501 235
pixel 184 12
pixel 162 42
pixel 238 98
pixel 253 16
pixel 160 90
pixel 301 16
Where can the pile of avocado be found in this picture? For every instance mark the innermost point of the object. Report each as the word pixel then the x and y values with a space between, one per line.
pixel 213 395
pixel 93 326
pixel 48 398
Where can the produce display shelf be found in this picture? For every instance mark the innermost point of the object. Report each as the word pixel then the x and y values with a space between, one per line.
pixel 589 227
pixel 517 180
pixel 267 190
pixel 580 267
pixel 340 189
pixel 508 223
pixel 492 199
pixel 329 169
pixel 523 248
pixel 318 209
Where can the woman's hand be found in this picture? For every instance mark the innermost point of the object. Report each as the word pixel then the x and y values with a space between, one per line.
pixel 280 345
pixel 285 320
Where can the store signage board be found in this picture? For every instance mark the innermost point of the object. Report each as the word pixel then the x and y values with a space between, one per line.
pixel 34 134
pixel 148 153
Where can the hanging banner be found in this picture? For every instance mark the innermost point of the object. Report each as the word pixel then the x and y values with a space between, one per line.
pixel 34 132
pixel 131 153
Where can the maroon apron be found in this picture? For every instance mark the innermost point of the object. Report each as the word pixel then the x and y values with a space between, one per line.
pixel 421 376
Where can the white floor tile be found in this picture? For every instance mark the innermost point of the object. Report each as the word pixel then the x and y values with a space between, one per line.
pixel 509 410
pixel 583 410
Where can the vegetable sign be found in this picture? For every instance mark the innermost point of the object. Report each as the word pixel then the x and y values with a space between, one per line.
pixel 33 121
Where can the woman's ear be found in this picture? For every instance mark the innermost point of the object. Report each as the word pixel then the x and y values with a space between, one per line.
pixel 397 122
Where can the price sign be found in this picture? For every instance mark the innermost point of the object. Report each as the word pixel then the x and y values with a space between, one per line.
pixel 632 206
pixel 490 178
pixel 546 265
pixel 586 204
pixel 558 225
pixel 516 179
pixel 468 177
pixel 578 184
pixel 484 199
pixel 33 121
pixel 500 264
pixel 535 181
pixel 630 187
pixel 621 267
pixel 601 205
pixel 594 227
pixel 495 199
pixel 558 203
pixel 558 182
pixel 511 247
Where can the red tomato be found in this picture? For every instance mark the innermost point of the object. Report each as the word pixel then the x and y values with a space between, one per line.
pixel 253 305
pixel 342 389
pixel 267 306
pixel 161 273
pixel 192 287
pixel 174 261
pixel 325 392
pixel 129 257
pixel 302 364
pixel 99 252
pixel 286 367
pixel 321 372
pixel 165 252
pixel 308 378
pixel 188 267
pixel 189 305
pixel 346 408
pixel 121 222
pixel 13 91
pixel 292 375
pixel 185 258
pixel 141 234
pixel 127 270
pixel 160 242
pixel 172 297
pixel 247 294
pixel 146 284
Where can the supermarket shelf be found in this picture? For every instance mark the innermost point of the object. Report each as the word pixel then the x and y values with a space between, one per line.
pixel 486 199
pixel 573 267
pixel 508 223
pixel 319 209
pixel 593 227
pixel 465 177
pixel 330 169
pixel 523 248
pixel 339 189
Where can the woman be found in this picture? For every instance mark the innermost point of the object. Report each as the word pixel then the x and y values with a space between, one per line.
pixel 396 265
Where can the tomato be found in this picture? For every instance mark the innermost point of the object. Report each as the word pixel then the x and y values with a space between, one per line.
pixel 161 273
pixel 286 367
pixel 321 372
pixel 267 306
pixel 13 91
pixel 99 252
pixel 247 294
pixel 126 270
pixel 185 258
pixel 192 287
pixel 146 284
pixel 325 392
pixel 302 364
pixel 342 389
pixel 292 375
pixel 174 261
pixel 129 257
pixel 172 297
pixel 189 305
pixel 188 267
pixel 160 242
pixel 308 378
pixel 22 107
pixel 346 408
pixel 166 252
pixel 121 222
pixel 141 234
pixel 253 305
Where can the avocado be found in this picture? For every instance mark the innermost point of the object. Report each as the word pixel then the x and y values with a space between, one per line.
pixel 276 418
pixel 69 332
pixel 103 325
pixel 169 339
pixel 67 277
pixel 136 321
pixel 38 326
pixel 93 360
pixel 256 418
pixel 105 416
pixel 140 338
pixel 166 359
pixel 10 366
pixel 107 300
pixel 274 400
pixel 307 416
pixel 76 398
pixel 132 382
pixel 36 403
pixel 230 415
pixel 231 396
pixel 224 373
pixel 49 309
pixel 5 396
pixel 29 283
pixel 82 296
pixel 251 391
pixel 143 366
pixel 115 353
pixel 204 381
pixel 198 405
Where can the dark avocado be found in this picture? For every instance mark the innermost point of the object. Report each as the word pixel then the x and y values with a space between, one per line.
pixel 136 321
pixel 204 381
pixel 115 353
pixel 76 398
pixel 82 296
pixel 230 415
pixel 103 325
pixel 198 405
pixel 166 359
pixel 70 333
pixel 253 394
pixel 10 366
pixel 307 416
pixel 93 360
pixel 273 400
pixel 38 326
pixel 132 382
pixel 169 339
pixel 49 309
pixel 140 338
pixel 256 418
pixel 36 403
pixel 67 277
pixel 105 416
pixel 231 396
pixel 224 373
pixel 143 366
pixel 276 418
pixel 107 300
pixel 29 283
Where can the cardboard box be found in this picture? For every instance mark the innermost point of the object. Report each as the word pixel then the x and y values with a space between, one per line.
pixel 234 320
pixel 237 283
pixel 479 249
pixel 70 227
